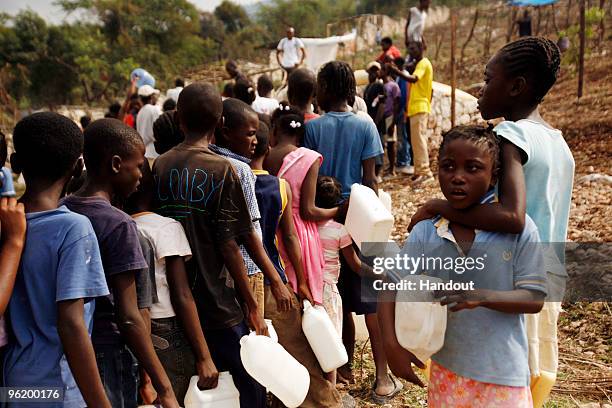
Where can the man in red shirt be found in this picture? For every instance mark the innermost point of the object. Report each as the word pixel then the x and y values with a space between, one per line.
pixel 390 51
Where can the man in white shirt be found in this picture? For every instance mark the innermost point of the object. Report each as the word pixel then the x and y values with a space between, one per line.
pixel 173 93
pixel 416 23
pixel 147 115
pixel 264 103
pixel 288 50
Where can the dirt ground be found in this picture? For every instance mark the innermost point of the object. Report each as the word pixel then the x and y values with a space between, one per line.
pixel 585 329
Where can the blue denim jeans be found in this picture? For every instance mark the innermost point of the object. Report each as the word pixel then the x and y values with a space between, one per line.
pixel 175 354
pixel 119 373
pixel 404 150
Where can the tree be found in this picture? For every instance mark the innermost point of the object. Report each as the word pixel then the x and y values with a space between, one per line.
pixel 233 16
pixel 44 64
pixel 308 17
pixel 160 35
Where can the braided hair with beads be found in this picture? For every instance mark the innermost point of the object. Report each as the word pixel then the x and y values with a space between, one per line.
pixel 328 193
pixel 535 58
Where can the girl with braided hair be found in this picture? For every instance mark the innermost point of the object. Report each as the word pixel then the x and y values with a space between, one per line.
pixel 484 360
pixel 349 144
pixel 335 240
pixel 536 179
pixel 299 167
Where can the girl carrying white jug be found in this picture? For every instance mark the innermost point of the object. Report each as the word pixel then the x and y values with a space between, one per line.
pixel 484 359
pixel 334 239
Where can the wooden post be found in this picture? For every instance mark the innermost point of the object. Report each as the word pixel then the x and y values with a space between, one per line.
pixel 548 17
pixel 582 46
pixel 487 39
pixel 438 45
pixel 470 35
pixel 452 63
pixel 602 4
pixel 354 50
pixel 512 23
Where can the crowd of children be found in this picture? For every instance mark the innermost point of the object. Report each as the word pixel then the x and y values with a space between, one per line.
pixel 191 226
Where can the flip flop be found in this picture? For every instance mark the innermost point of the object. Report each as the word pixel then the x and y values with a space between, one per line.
pixel 383 399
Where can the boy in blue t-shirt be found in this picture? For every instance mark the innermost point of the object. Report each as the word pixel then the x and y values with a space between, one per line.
pixel 349 145
pixel 60 274
pixel 114 155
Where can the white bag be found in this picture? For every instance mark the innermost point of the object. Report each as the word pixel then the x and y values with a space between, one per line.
pixel 420 322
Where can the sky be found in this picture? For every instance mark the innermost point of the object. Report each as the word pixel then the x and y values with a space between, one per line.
pixel 52 13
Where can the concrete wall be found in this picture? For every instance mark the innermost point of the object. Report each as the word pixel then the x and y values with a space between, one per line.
pixel 466 111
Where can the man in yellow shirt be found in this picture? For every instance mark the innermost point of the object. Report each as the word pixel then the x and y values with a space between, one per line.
pixel 419 106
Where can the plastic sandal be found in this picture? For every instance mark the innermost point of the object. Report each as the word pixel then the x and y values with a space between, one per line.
pixel 383 399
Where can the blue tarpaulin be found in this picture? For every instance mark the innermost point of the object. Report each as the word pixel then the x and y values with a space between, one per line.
pixel 531 2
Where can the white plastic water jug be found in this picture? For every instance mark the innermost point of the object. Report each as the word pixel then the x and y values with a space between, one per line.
pixel 271 330
pixel 323 337
pixel 367 219
pixel 273 367
pixel 385 198
pixel 420 322
pixel 226 394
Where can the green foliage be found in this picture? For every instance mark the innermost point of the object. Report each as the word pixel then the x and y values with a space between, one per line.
pixel 592 17
pixel 92 61
pixel 308 17
pixel 233 16
pixel 394 7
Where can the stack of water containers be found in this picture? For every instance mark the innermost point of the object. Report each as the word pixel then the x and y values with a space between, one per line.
pixel 368 219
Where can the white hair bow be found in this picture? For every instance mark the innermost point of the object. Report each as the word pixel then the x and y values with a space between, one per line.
pixel 295 124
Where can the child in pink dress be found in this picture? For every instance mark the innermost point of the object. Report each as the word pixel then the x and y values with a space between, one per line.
pixel 334 239
pixel 299 167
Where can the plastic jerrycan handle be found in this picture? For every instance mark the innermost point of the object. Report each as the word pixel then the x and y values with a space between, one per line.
pixel 199 391
pixel 307 304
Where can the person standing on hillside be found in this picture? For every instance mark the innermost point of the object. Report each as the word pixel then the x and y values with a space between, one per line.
pixel 416 23
pixel 389 51
pixel 419 107
pixel 173 93
pixel 524 24
pixel 288 51
pixel 147 115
